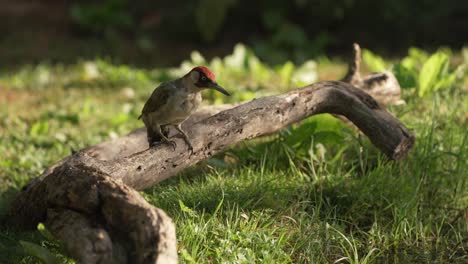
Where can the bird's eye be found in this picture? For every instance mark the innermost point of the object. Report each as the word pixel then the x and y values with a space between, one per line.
pixel 203 78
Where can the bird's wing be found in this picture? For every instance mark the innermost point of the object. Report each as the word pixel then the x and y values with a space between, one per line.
pixel 157 99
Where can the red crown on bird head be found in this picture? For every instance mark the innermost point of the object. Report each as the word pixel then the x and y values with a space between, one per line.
pixel 206 71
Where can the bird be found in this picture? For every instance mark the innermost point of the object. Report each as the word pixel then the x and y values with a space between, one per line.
pixel 172 102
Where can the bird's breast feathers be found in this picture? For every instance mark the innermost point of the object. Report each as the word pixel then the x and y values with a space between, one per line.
pixel 177 108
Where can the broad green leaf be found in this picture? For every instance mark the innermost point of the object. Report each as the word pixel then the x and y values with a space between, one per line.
pixel 406 76
pixel 39 252
pixel 447 81
pixel 301 133
pixel 322 127
pixel 39 128
pixel 431 71
pixel 373 61
pixel 418 55
pixel 410 63
pixel 285 73
pixel 327 122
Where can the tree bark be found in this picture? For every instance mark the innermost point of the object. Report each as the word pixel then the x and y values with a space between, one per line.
pixel 88 199
pixel 383 86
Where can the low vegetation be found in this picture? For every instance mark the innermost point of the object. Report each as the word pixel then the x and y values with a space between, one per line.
pixel 317 192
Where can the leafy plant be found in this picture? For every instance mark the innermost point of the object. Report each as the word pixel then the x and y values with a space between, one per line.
pixel 373 61
pixel 434 74
pixel 324 128
pixel 427 74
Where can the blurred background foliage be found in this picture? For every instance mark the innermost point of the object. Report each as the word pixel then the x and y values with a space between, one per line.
pixel 419 72
pixel 141 32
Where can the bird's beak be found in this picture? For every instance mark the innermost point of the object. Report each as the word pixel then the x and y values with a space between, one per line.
pixel 215 86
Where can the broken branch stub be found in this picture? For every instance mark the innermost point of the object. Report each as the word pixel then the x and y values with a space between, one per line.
pixel 383 86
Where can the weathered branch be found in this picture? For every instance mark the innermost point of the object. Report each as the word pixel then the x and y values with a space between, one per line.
pixel 383 86
pixel 91 242
pixel 92 187
pixel 353 75
pixel 256 118
pixel 96 216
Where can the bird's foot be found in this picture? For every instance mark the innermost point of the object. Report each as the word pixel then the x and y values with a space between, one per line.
pixel 187 141
pixel 155 143
pixel 152 142
pixel 190 147
pixel 171 142
pixel 189 144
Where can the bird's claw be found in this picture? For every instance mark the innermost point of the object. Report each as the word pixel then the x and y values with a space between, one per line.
pixel 153 143
pixel 172 143
pixel 190 148
pixel 156 143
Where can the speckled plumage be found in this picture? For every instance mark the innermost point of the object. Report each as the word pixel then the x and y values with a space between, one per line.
pixel 171 103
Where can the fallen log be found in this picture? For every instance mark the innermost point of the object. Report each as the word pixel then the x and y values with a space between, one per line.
pixel 94 190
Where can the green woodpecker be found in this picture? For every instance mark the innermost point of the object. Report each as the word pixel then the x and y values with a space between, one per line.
pixel 172 102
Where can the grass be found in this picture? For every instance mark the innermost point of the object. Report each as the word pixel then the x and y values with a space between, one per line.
pixel 317 192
